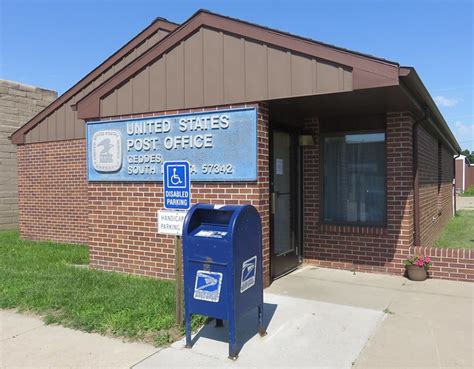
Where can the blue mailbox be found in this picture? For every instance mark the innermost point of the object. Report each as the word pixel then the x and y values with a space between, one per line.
pixel 223 278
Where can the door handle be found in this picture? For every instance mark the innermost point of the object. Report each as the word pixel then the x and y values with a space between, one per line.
pixel 273 200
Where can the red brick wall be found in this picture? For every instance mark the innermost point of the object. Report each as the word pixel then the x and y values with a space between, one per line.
pixel 52 190
pixel 462 166
pixel 469 176
pixel 436 201
pixel 456 264
pixel 122 216
pixel 118 220
pixel 377 249
pixel 445 196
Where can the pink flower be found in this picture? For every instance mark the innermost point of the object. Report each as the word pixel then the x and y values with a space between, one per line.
pixel 427 260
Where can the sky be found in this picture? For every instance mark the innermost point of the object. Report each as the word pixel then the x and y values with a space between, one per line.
pixel 53 44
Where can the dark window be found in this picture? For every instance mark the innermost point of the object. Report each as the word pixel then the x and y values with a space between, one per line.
pixel 354 179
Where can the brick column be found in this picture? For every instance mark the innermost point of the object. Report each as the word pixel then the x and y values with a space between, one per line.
pixel 311 190
pixel 263 204
pixel 400 192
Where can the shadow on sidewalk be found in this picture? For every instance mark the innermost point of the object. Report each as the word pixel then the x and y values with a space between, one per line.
pixel 246 327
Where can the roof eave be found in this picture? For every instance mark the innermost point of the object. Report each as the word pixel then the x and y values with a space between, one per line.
pixel 410 78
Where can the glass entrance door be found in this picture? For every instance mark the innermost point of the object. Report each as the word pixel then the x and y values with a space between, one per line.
pixel 284 203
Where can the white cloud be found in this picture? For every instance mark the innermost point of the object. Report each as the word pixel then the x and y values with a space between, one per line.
pixel 464 133
pixel 445 102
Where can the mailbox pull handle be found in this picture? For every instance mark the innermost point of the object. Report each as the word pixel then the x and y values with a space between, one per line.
pixel 274 202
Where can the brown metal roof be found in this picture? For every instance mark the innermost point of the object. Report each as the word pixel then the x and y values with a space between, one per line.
pixel 367 72
pixel 299 37
pixel 18 137
pixel 414 87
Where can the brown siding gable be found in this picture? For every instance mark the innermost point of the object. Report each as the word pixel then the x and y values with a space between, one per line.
pixel 368 72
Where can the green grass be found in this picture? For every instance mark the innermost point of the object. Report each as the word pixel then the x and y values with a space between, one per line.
pixel 46 278
pixel 469 192
pixel 459 232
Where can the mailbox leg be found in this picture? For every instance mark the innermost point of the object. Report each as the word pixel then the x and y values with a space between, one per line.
pixel 188 330
pixel 261 329
pixel 233 354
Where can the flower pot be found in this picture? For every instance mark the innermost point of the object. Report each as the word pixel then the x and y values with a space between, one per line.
pixel 416 273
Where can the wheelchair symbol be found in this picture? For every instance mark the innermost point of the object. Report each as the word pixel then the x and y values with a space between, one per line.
pixel 175 179
pixel 177 176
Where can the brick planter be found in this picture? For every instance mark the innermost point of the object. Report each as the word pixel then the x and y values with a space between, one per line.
pixel 455 264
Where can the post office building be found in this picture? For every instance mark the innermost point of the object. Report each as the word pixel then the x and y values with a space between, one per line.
pixel 345 155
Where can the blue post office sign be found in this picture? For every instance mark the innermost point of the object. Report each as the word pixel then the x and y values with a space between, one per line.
pixel 219 145
pixel 176 185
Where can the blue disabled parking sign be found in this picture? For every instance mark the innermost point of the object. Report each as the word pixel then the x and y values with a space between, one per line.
pixel 176 182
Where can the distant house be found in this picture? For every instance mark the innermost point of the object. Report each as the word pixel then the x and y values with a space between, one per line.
pixel 464 170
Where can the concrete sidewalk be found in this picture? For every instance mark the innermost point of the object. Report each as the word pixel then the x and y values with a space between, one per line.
pixel 428 324
pixel 26 342
pixel 301 333
pixel 466 203
pixel 316 318
pixel 321 318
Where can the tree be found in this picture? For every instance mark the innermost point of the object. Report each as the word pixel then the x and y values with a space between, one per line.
pixel 469 154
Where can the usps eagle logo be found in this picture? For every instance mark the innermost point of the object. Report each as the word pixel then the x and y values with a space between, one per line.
pixel 107 151
pixel 249 271
pixel 207 286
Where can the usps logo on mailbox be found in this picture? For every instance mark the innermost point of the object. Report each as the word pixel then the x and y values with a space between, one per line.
pixel 249 271
pixel 107 151
pixel 208 286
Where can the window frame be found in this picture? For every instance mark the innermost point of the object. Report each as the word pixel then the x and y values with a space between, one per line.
pixel 322 136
